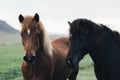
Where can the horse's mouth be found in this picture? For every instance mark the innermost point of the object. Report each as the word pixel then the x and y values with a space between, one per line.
pixel 74 60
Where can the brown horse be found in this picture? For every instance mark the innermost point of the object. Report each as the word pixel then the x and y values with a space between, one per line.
pixel 44 58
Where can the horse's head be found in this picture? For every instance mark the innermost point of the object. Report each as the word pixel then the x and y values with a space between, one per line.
pixel 80 41
pixel 31 34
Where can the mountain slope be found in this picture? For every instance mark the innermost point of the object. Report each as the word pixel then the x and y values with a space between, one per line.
pixel 4 27
pixel 8 35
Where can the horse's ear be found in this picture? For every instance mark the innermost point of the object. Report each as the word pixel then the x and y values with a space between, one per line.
pixel 69 23
pixel 21 18
pixel 36 17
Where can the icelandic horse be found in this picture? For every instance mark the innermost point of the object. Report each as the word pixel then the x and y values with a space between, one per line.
pixel 44 58
pixel 100 42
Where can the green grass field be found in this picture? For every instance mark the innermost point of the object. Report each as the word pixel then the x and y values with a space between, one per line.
pixel 10 64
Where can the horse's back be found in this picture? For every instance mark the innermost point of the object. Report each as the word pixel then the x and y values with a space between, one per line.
pixel 64 41
pixel 61 45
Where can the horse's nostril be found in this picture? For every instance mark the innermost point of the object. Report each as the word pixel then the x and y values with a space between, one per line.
pixel 29 59
pixel 25 58
pixel 69 61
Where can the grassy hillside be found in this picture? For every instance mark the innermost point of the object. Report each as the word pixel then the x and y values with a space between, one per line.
pixel 10 63
pixel 9 38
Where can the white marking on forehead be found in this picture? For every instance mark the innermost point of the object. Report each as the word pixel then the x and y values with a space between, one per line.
pixel 28 31
pixel 33 52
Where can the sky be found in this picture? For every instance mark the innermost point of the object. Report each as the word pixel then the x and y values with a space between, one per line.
pixel 55 14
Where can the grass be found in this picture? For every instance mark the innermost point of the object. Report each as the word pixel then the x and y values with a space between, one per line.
pixel 10 61
pixel 10 64
pixel 86 71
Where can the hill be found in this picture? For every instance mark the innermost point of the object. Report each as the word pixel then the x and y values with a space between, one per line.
pixel 8 35
pixel 5 27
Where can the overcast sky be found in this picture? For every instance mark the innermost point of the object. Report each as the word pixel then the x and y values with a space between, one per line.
pixel 56 13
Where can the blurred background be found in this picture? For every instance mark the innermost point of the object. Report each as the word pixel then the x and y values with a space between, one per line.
pixel 54 14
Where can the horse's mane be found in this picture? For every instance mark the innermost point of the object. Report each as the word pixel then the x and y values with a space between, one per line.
pixel 46 41
pixel 99 28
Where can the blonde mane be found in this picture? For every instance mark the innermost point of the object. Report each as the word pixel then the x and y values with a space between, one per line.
pixel 28 20
pixel 46 41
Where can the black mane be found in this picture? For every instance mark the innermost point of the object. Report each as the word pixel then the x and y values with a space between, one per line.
pixel 97 28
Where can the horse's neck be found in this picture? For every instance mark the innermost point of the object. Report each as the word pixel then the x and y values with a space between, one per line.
pixel 104 50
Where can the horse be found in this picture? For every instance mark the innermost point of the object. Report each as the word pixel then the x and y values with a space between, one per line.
pixel 100 42
pixel 44 58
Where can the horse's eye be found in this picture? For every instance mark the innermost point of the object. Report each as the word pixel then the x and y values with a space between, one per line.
pixel 70 38
pixel 21 34
pixel 37 34
pixel 23 43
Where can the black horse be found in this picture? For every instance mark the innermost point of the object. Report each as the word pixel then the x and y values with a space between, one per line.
pixel 102 44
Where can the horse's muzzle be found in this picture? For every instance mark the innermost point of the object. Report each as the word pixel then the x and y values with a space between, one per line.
pixel 29 59
pixel 70 63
